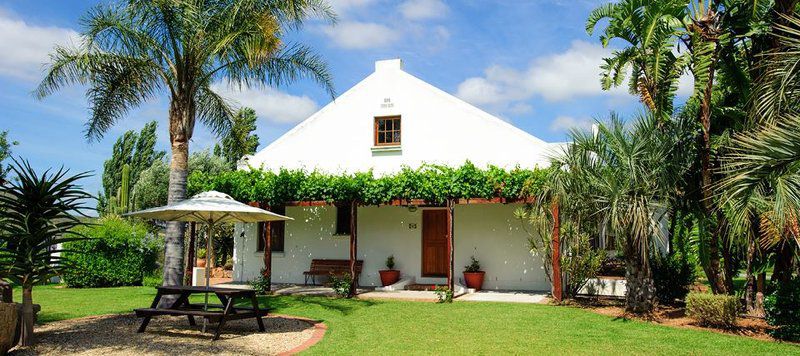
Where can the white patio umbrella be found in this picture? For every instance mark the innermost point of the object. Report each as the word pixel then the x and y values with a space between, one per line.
pixel 210 208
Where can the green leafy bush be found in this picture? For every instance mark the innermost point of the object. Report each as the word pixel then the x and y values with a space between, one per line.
pixel 117 253
pixel 580 262
pixel 341 285
pixel 443 294
pixel 673 276
pixel 261 284
pixel 713 310
pixel 783 311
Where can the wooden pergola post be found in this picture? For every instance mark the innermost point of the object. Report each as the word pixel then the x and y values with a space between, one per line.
pixel 190 258
pixel 556 245
pixel 450 246
pixel 267 272
pixel 353 248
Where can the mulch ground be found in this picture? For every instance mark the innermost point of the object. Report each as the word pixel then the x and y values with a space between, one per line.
pixel 116 335
pixel 676 316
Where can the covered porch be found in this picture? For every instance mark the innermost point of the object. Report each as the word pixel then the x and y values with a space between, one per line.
pixel 430 243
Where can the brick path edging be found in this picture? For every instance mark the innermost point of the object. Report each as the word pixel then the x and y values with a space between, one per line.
pixel 319 332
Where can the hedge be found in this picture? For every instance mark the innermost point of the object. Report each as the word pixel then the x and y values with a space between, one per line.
pixel 783 311
pixel 431 183
pixel 713 309
pixel 117 252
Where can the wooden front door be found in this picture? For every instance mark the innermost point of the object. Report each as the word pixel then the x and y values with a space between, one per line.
pixel 434 243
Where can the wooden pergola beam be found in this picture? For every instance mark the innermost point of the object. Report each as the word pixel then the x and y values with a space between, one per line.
pixel 190 258
pixel 450 246
pixel 423 202
pixel 353 248
pixel 267 273
pixel 556 245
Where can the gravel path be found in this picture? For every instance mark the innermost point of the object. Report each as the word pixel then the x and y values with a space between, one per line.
pixel 116 335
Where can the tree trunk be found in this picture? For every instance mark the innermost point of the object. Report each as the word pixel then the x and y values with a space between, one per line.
pixel 641 291
pixel 750 286
pixel 783 263
pixel 181 124
pixel 190 256
pixel 26 337
pixel 6 292
pixel 713 270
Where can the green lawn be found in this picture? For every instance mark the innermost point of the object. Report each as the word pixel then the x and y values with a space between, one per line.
pixel 389 327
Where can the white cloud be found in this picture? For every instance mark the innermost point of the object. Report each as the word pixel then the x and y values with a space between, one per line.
pixel 564 123
pixel 557 77
pixel 25 48
pixel 271 104
pixel 423 9
pixel 342 6
pixel 360 35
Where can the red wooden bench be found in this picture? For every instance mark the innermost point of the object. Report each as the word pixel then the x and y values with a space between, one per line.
pixel 338 268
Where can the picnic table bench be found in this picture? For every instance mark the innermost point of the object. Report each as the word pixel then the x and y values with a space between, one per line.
pixel 215 313
pixel 324 267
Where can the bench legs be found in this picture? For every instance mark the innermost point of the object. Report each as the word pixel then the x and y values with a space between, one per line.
pixel 191 320
pixel 258 314
pixel 228 307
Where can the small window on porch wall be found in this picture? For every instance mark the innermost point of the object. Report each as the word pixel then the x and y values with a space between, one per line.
pixel 343 214
pixel 277 228
pixel 387 131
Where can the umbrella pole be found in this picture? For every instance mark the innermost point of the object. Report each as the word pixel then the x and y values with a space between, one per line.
pixel 209 236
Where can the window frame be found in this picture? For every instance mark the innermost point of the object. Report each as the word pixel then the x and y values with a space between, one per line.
pixel 376 131
pixel 277 232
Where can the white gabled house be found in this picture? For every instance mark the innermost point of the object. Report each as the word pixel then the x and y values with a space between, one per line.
pixel 389 120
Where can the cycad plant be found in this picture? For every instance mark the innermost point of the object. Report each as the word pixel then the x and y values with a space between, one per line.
pixel 136 50
pixel 36 212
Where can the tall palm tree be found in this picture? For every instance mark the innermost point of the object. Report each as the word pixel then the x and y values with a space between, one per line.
pixel 651 30
pixel 136 50
pixel 631 176
pixel 36 212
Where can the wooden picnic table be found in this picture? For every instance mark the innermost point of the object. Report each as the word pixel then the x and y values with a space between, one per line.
pixel 220 313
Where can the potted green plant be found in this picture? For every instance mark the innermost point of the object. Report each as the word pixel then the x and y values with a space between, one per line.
pixel 473 276
pixel 200 261
pixel 390 275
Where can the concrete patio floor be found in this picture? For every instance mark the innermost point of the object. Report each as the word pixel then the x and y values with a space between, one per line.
pixel 505 296
pixel 426 296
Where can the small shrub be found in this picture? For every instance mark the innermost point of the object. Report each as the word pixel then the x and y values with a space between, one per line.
pixel 612 267
pixel 390 262
pixel 153 279
pixel 673 276
pixel 117 253
pixel 713 310
pixel 783 311
pixel 261 284
pixel 443 294
pixel 473 266
pixel 580 263
pixel 341 285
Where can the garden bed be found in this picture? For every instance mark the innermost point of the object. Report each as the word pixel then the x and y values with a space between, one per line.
pixel 676 316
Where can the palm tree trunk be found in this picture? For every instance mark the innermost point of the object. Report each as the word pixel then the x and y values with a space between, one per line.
pixel 639 280
pixel 180 118
pixel 26 336
pixel 713 270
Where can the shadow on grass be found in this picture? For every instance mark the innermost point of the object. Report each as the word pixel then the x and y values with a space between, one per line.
pixel 338 305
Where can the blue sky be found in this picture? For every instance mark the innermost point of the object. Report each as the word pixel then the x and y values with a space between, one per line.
pixel 528 62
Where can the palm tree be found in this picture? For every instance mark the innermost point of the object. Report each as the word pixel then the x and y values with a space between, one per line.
pixel 36 212
pixel 651 30
pixel 136 50
pixel 631 176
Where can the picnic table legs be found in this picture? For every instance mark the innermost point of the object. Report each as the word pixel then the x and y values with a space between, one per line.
pixel 228 309
pixel 146 319
pixel 258 313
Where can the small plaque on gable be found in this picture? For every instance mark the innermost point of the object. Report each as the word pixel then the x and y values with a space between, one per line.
pixel 387 103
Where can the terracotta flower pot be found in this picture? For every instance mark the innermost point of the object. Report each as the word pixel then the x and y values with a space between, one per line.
pixel 474 280
pixel 200 262
pixel 8 326
pixel 389 277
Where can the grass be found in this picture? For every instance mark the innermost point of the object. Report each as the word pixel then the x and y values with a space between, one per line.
pixel 396 327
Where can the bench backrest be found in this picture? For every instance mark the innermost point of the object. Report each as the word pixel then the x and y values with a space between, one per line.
pixel 334 265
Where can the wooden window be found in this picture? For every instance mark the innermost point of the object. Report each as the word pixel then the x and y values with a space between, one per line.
pixel 387 131
pixel 278 229
pixel 343 214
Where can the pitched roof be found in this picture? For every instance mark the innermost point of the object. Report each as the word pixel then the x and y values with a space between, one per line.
pixel 436 128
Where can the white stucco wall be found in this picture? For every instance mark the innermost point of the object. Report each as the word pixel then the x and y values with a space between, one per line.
pixel 490 232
